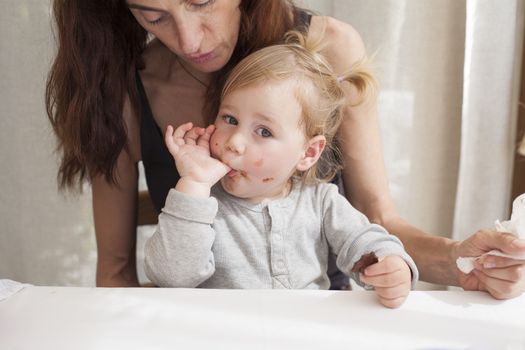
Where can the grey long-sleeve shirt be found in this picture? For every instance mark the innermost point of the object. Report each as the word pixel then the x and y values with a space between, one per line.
pixel 226 242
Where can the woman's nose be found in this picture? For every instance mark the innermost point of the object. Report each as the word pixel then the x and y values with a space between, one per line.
pixel 236 144
pixel 189 33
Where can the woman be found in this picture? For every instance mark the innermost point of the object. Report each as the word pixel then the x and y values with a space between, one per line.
pixel 108 118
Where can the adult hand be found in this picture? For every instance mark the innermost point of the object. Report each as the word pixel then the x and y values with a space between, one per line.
pixel 391 278
pixel 503 278
pixel 190 147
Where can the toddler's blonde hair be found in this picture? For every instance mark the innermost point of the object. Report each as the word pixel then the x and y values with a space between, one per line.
pixel 318 90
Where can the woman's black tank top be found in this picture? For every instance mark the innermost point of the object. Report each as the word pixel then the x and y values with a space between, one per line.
pixel 159 166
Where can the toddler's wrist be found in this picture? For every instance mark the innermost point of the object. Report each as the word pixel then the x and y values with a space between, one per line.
pixel 194 188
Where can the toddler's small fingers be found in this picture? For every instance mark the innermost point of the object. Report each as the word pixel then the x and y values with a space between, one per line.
pixel 170 142
pixel 392 303
pixel 182 130
pixel 385 280
pixel 396 292
pixel 204 139
pixel 192 136
pixel 386 265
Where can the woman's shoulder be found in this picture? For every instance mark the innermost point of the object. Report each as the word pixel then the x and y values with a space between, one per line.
pixel 344 44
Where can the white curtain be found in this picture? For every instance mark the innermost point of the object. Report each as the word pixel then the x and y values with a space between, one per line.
pixel 450 82
pixel 448 73
pixel 490 103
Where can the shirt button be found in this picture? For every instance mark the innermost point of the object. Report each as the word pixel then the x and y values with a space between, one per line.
pixel 277 237
pixel 280 265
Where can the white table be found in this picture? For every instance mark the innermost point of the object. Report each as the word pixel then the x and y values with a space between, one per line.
pixel 54 318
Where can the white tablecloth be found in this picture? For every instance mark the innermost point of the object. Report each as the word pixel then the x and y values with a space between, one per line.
pixel 54 318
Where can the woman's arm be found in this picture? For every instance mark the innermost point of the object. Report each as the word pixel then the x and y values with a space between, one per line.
pixel 366 185
pixel 115 213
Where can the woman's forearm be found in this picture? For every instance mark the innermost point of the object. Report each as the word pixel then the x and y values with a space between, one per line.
pixel 117 272
pixel 115 219
pixel 435 256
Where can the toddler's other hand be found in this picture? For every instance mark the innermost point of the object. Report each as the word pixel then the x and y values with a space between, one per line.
pixel 391 278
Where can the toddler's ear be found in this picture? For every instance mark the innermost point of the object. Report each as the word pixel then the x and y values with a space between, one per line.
pixel 314 148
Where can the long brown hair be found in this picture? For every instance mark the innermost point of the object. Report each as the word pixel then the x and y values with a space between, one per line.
pixel 99 51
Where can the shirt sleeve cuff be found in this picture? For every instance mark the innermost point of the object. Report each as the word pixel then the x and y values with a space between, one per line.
pixel 191 208
pixel 403 255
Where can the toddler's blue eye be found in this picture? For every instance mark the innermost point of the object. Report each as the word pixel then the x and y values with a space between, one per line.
pixel 230 120
pixel 264 132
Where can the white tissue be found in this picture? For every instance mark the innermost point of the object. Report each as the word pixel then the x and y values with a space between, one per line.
pixel 9 287
pixel 515 226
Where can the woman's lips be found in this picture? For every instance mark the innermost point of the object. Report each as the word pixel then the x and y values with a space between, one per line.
pixel 199 59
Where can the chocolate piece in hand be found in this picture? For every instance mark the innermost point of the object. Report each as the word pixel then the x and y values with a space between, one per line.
pixel 365 261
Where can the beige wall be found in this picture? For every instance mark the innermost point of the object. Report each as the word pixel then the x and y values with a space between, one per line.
pixel 45 238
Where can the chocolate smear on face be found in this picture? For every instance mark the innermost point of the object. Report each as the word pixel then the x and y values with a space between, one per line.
pixel 365 261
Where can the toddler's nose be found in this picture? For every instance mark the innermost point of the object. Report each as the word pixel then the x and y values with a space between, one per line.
pixel 236 144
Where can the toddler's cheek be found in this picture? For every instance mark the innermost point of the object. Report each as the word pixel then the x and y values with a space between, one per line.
pixel 214 146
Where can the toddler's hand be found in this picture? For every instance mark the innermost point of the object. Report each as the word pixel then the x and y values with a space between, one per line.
pixel 190 147
pixel 391 278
